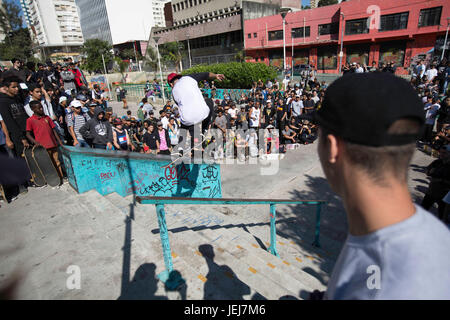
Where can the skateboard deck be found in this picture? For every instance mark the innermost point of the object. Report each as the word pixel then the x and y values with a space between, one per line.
pixel 2 192
pixel 36 173
pixel 40 155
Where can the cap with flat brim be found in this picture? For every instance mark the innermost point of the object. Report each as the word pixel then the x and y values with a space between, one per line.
pixel 360 108
pixel 173 76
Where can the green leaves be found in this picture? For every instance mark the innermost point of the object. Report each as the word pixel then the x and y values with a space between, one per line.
pixel 93 49
pixel 17 43
pixel 238 74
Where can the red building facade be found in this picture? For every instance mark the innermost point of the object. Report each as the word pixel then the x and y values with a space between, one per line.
pixel 379 31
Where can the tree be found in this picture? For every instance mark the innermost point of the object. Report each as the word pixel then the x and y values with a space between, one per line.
pixel 241 57
pixel 172 51
pixel 151 59
pixel 306 7
pixel 122 66
pixel 10 19
pixel 17 43
pixel 323 3
pixel 93 50
pixel 130 54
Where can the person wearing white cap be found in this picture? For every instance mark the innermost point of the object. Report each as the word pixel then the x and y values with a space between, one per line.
pixel 75 121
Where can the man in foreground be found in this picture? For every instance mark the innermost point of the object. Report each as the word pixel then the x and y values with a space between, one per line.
pixel 369 124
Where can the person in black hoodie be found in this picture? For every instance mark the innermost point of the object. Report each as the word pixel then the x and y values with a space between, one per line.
pixel 98 130
pixel 13 114
pixel 15 120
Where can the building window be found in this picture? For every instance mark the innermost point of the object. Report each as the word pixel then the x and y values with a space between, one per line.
pixel 393 52
pixel 276 35
pixel 358 54
pixel 327 58
pixel 298 32
pixel 255 35
pixel 329 28
pixel 249 35
pixel 396 21
pixel 357 26
pixel 430 17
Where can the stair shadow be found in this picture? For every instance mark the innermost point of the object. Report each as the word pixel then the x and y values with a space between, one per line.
pixel 143 286
pixel 221 280
pixel 228 226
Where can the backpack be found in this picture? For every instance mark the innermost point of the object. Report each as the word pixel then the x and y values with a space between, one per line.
pixel 84 115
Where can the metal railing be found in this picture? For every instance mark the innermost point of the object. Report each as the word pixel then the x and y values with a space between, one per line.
pixel 160 202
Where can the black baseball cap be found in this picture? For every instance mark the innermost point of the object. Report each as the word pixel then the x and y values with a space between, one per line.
pixel 360 108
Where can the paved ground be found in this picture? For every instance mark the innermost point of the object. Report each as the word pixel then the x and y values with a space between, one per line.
pixel 46 232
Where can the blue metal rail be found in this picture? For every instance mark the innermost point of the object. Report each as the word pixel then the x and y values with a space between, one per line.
pixel 159 202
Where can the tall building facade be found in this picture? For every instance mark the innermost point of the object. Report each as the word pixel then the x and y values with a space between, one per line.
pixel 212 30
pixel 120 23
pixel 369 31
pixel 53 23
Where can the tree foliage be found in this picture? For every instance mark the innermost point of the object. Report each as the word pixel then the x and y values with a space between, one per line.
pixel 151 58
pixel 93 50
pixel 238 74
pixel 17 42
pixel 323 3
pixel 172 51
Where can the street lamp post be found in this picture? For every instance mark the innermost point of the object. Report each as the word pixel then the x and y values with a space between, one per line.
pixel 189 51
pixel 445 41
pixel 283 12
pixel 160 70
pixel 341 53
pixel 106 77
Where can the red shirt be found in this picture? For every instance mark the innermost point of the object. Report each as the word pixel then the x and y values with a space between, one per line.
pixel 42 128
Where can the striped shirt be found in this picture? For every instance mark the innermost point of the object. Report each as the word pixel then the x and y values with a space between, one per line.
pixel 77 121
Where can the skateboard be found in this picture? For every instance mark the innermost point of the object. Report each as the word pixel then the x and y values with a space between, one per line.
pixel 2 192
pixel 36 174
pixel 45 164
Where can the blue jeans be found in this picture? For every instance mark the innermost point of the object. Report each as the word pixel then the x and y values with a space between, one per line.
pixel 99 146
pixel 82 144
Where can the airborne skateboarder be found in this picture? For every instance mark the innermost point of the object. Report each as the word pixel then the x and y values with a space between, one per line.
pixel 193 109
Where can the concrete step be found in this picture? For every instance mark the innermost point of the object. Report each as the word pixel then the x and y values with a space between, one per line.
pixel 248 242
pixel 287 248
pixel 319 262
pixel 191 219
pixel 150 246
pixel 240 240
pixel 287 273
pixel 230 274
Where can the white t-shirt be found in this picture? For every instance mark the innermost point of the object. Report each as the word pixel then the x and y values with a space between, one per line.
pixel 191 105
pixel 165 122
pixel 255 113
pixel 232 112
pixel 315 99
pixel 46 105
pixel 147 108
pixel 407 260
pixel 431 74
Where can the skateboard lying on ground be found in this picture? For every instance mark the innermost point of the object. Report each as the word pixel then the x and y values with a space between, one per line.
pixel 36 174
pixel 45 164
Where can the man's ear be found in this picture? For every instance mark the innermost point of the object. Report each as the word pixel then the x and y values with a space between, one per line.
pixel 334 148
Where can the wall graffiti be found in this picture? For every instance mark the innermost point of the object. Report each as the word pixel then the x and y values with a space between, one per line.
pixel 142 177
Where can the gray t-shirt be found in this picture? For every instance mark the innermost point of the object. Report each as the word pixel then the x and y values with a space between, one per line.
pixel 221 121
pixel 411 260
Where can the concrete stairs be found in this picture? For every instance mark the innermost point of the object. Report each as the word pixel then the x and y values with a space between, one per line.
pixel 218 255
